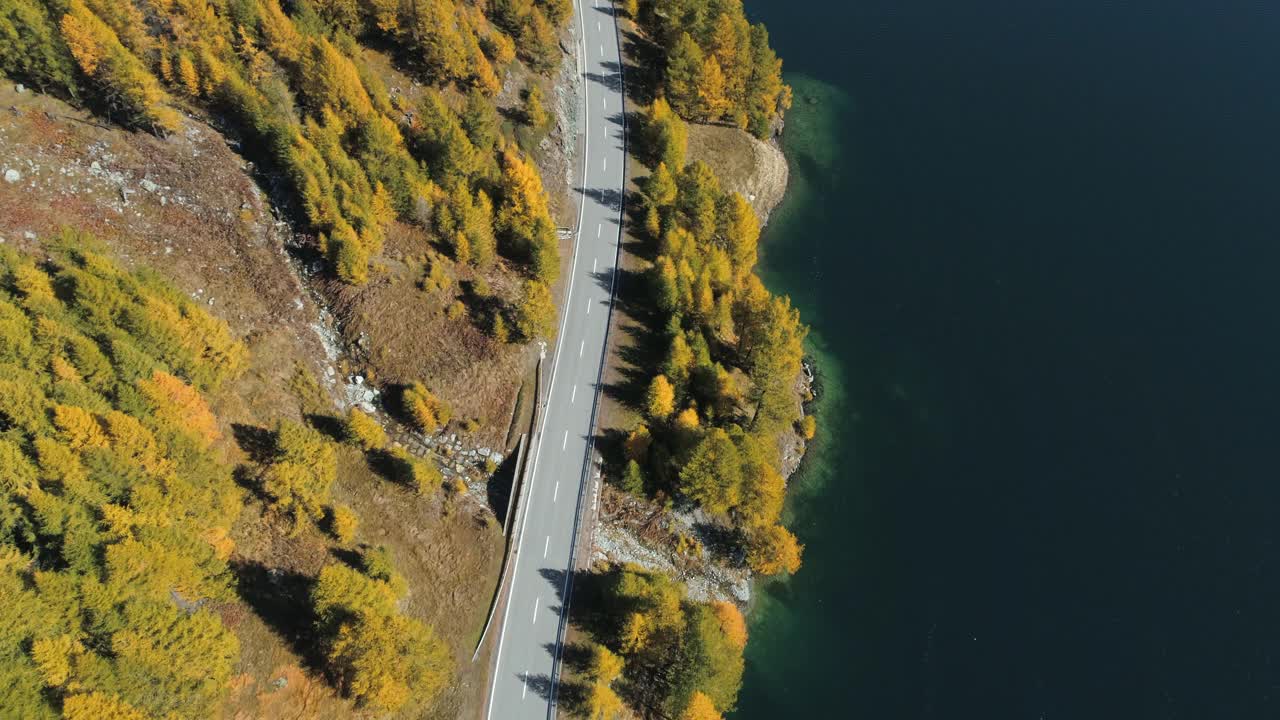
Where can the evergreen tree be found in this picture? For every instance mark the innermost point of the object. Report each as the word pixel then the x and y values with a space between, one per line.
pixel 713 475
pixel 536 313
pixel 535 115
pixel 480 121
pixel 660 399
pixel 32 49
pixel 660 187
pixel 683 73
pixel 541 48
pixel 435 36
pixel 124 84
pixel 711 102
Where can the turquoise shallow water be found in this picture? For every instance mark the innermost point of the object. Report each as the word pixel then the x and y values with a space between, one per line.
pixel 1037 244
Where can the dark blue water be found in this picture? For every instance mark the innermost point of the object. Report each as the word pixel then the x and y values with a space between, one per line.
pixel 1039 245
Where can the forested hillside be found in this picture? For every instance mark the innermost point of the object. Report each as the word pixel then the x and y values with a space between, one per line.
pixel 118 509
pixel 290 81
pixel 116 514
pixel 198 520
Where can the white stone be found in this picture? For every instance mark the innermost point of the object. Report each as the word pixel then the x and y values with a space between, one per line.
pixel 11 175
pixel 148 185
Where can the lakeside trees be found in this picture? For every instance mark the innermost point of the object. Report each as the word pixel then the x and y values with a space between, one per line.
pixel 717 66
pixel 672 657
pixel 724 390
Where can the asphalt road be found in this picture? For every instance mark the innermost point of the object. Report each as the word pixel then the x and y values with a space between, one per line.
pixel 522 684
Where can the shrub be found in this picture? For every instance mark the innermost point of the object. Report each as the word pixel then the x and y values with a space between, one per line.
pixel 343 523
pixel 362 430
pixel 773 550
pixel 299 478
pixel 660 398
pixel 536 313
pixel 386 661
pixel 424 477
pixel 633 479
pixel 808 427
pixel 426 411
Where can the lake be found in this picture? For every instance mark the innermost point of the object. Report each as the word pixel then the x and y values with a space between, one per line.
pixel 1038 245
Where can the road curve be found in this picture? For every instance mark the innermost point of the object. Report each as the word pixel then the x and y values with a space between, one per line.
pixel 522 684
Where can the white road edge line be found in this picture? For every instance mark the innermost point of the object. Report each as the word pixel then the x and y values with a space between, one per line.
pixel 599 227
pixel 581 346
pixel 535 609
pixel 555 493
pixel 564 317
pixel 593 264
pixel 574 397
pixel 526 685
pixel 546 545
pixel 566 440
pixel 588 306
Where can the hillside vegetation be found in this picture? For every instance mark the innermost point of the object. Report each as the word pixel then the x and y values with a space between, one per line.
pixel 189 527
pixel 120 510
pixel 296 88
pixel 114 537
